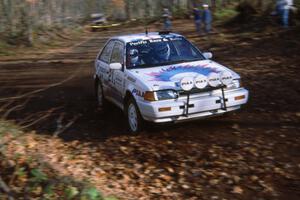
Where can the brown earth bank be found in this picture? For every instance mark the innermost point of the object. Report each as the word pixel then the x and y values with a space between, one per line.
pixel 250 154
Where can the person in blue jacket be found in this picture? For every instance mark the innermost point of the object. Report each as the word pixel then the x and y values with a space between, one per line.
pixel 207 18
pixel 167 19
pixel 283 8
pixel 279 7
pixel 197 18
pixel 286 9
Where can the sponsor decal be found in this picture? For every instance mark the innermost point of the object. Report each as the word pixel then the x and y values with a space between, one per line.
pixel 138 92
pixel 176 38
pixel 131 79
pixel 102 69
pixel 153 40
pixel 167 73
pixel 137 43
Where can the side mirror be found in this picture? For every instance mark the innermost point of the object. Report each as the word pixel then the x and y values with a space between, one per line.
pixel 208 55
pixel 115 66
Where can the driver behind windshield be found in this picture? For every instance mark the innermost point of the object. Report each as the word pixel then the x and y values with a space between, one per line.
pixel 135 60
pixel 162 52
pixel 150 53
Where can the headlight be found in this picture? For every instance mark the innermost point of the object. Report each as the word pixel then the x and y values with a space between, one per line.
pixel 149 96
pixel 166 94
pixel 235 84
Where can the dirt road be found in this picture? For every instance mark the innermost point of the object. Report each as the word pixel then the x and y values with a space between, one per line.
pixel 251 154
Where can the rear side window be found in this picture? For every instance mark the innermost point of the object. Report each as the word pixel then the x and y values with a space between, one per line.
pixel 106 53
pixel 117 53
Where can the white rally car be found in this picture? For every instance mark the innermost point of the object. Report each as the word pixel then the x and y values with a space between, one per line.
pixel 161 77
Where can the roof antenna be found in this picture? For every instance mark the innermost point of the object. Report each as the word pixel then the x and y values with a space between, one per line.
pixel 146 24
pixel 146 31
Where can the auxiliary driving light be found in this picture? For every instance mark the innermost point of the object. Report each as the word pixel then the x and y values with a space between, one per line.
pixel 214 79
pixel 226 78
pixel 187 83
pixel 201 81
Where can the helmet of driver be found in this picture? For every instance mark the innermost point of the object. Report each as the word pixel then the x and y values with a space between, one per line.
pixel 134 56
pixel 162 50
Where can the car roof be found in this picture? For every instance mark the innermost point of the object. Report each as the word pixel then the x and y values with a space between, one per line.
pixel 144 36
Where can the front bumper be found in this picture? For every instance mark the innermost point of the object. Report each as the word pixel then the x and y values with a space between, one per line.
pixel 201 105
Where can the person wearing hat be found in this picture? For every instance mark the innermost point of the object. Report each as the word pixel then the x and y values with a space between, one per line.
pixel 198 20
pixel 207 18
pixel 167 19
pixel 283 9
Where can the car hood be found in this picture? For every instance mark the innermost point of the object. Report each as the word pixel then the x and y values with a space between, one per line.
pixel 168 77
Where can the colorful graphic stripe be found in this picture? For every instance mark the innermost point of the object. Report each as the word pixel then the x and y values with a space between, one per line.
pixel 168 73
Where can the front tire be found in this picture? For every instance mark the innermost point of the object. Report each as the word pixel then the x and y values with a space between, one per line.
pixel 101 101
pixel 134 118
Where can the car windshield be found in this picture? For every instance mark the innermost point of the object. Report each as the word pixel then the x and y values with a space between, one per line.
pixel 162 51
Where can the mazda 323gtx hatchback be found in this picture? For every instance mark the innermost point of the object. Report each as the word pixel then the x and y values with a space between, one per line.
pixel 162 77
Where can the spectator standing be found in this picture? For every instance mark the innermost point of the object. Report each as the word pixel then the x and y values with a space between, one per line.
pixel 279 7
pixel 287 6
pixel 198 20
pixel 207 18
pixel 167 19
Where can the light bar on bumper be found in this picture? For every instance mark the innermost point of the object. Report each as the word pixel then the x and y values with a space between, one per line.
pixel 200 83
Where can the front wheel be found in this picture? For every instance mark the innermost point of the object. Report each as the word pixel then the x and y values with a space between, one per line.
pixel 134 118
pixel 101 101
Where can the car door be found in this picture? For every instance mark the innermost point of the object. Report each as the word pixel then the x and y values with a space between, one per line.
pixel 118 75
pixel 102 67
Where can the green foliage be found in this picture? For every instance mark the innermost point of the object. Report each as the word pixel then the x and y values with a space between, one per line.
pixel 180 12
pixel 21 172
pixel 110 198
pixel 71 192
pixel 88 193
pixel 48 191
pixel 91 194
pixel 225 14
pixel 38 176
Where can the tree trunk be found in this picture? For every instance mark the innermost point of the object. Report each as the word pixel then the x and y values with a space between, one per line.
pixel 213 4
pixel 127 9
